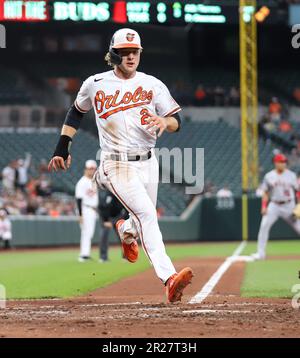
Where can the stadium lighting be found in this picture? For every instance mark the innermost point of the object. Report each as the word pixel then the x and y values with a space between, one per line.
pixel 262 14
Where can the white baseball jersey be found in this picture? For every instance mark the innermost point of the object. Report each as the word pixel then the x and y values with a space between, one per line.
pixel 8 175
pixel 5 229
pixel 122 106
pixel 85 190
pixel 281 187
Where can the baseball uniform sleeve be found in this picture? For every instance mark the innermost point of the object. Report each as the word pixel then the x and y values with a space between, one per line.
pixel 295 183
pixel 165 105
pixel 83 102
pixel 79 190
pixel 265 185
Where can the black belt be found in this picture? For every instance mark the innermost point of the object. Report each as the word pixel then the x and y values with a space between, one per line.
pixel 131 157
pixel 281 202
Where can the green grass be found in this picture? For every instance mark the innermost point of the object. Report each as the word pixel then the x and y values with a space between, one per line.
pixel 49 274
pixel 272 278
pixel 56 273
pixel 283 248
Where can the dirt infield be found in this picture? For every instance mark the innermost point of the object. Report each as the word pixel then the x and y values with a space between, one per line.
pixel 136 307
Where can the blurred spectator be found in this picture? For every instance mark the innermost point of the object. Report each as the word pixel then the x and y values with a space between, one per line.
pixel 43 167
pixel 294 157
pixel 32 206
pixel 224 192
pixel 219 96
pixel 200 95
pixel 5 228
pixel 266 127
pixel 234 96
pixel 23 166
pixel 296 94
pixel 285 126
pixel 182 93
pixel 275 109
pixel 9 177
pixel 43 186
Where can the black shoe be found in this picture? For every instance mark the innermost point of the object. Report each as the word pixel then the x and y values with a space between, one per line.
pixel 84 258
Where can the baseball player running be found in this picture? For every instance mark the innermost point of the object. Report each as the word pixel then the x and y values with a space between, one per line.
pixel 87 202
pixel 278 201
pixel 131 110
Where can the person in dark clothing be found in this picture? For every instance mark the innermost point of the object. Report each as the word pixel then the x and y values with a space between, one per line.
pixel 110 210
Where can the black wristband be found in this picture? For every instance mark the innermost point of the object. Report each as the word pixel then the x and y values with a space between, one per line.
pixel 178 119
pixel 63 147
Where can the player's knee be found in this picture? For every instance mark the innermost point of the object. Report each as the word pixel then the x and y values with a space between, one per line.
pixel 149 214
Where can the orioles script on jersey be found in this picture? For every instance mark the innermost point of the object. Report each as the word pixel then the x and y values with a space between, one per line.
pixel 139 97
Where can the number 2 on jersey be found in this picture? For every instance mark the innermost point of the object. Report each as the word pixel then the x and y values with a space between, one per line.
pixel 145 114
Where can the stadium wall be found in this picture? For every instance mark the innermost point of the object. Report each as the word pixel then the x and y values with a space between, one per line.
pixel 209 219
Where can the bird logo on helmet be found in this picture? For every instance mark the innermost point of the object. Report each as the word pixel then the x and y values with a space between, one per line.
pixel 130 37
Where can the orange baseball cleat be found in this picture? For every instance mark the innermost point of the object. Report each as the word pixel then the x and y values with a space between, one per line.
pixel 177 283
pixel 130 249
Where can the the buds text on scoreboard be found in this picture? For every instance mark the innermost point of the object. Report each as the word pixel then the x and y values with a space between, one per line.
pixel 177 12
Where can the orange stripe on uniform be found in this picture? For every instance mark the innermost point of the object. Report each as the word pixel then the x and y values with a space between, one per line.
pixel 119 109
pixel 177 109
pixel 79 109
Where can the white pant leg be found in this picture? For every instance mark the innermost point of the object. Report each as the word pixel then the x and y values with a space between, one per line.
pixel 124 179
pixel 149 174
pixel 287 215
pixel 151 178
pixel 89 217
pixel 266 223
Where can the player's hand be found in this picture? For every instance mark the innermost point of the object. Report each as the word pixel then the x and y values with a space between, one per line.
pixel 80 220
pixel 156 123
pixel 108 225
pixel 57 163
pixel 264 211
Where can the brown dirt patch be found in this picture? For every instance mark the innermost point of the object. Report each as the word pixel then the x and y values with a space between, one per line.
pixel 136 307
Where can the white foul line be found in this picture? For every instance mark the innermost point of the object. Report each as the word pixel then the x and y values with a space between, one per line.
pixel 215 278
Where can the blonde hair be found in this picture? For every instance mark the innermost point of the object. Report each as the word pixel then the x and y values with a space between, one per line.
pixel 107 59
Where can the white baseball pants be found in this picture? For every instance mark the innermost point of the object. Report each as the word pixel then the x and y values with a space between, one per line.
pixel 135 184
pixel 89 217
pixel 274 212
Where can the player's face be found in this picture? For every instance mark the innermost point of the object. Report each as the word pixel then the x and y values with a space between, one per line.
pixel 280 166
pixel 130 59
pixel 89 172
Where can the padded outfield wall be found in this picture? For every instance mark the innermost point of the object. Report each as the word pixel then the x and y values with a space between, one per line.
pixel 207 219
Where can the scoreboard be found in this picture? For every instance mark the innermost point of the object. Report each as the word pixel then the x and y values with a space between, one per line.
pixel 123 12
pixel 157 12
